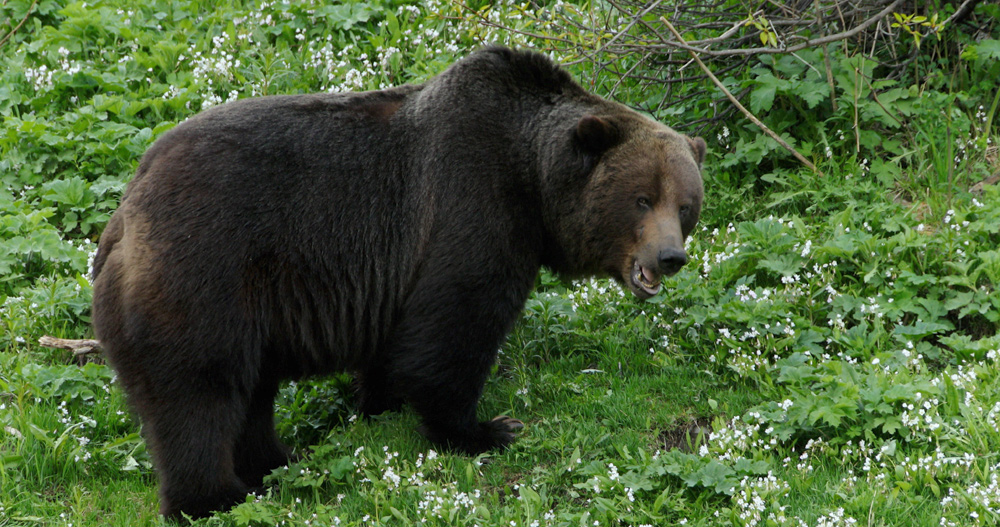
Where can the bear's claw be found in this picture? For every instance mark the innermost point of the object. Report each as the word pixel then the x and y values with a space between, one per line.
pixel 502 430
pixel 510 423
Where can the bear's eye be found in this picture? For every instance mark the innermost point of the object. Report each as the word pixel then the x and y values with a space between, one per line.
pixel 685 210
pixel 643 202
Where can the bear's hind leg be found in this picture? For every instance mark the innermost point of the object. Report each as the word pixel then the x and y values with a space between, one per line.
pixel 258 450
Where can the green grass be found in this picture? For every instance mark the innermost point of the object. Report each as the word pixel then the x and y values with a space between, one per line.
pixel 829 356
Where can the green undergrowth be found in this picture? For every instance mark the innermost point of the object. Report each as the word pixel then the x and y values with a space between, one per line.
pixel 827 358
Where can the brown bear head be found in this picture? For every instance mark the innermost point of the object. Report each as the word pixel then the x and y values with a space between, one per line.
pixel 641 197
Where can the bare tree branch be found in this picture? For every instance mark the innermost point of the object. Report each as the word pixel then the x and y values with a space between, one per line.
pixel 807 44
pixel 962 12
pixel 625 46
pixel 736 103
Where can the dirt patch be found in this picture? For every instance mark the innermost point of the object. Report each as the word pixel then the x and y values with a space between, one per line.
pixel 979 187
pixel 686 435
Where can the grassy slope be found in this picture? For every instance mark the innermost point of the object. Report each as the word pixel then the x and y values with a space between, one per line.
pixel 830 353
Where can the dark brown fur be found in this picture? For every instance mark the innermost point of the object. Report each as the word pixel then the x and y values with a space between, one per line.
pixel 395 234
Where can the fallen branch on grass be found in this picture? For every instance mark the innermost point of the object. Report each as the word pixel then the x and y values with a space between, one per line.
pixel 80 347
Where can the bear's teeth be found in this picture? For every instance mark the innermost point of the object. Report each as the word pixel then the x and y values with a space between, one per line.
pixel 647 276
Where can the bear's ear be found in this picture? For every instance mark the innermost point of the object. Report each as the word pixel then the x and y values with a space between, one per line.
pixel 698 147
pixel 595 135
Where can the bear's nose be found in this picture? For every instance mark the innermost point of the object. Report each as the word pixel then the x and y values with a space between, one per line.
pixel 671 260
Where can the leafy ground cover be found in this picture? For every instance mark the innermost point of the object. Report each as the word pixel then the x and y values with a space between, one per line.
pixel 829 356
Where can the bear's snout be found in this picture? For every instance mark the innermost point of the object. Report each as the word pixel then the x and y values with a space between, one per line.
pixel 671 260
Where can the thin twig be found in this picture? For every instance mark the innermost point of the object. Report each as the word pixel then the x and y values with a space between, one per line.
pixel 622 77
pixel 728 33
pixel 878 101
pixel 628 27
pixel 857 129
pixel 826 62
pixel 23 20
pixel 736 102
pixel 486 22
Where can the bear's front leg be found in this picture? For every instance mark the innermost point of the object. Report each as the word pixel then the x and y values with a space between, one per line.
pixel 481 437
pixel 375 394
pixel 444 349
pixel 443 384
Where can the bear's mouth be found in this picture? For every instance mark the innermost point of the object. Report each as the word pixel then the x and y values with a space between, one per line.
pixel 645 281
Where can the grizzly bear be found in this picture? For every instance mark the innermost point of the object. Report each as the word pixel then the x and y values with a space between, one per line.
pixel 395 234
